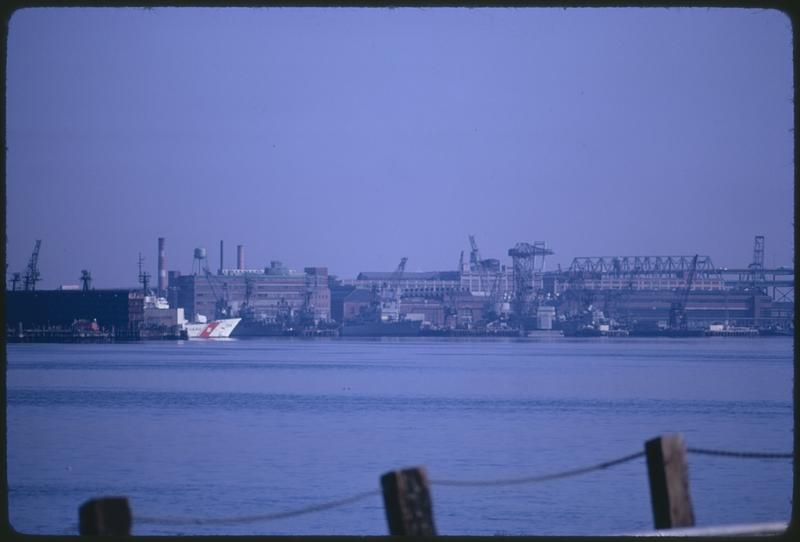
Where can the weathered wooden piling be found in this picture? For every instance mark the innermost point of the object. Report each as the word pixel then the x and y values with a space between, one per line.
pixel 409 510
pixel 669 482
pixel 105 516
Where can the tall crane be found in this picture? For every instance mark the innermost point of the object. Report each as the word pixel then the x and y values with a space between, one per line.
pixel 494 293
pixel 477 264
pixel 398 273
pixel 32 272
pixel 390 293
pixel 221 308
pixel 677 312
pixel 474 255
pixel 86 279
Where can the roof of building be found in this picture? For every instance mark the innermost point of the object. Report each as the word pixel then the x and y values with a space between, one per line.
pixel 409 275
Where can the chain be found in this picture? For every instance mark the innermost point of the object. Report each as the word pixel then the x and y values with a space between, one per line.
pixel 541 478
pixel 749 455
pixel 461 483
pixel 259 518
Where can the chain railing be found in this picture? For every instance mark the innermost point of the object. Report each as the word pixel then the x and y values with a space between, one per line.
pixel 407 501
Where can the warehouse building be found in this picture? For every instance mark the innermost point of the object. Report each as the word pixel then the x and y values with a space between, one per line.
pixel 121 309
pixel 269 292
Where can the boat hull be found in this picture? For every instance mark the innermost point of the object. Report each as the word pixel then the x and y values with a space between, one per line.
pixel 217 329
pixel 255 328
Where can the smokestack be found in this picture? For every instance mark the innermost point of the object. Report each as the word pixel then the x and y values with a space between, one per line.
pixel 239 257
pixel 162 267
pixel 221 267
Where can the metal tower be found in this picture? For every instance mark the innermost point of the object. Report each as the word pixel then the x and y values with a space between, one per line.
pixel 527 260
pixel 144 276
pixel 758 252
pixel 757 267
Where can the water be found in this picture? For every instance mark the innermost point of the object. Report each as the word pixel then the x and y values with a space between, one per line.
pixel 215 429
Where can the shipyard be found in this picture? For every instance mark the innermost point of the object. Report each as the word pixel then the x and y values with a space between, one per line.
pixel 614 296
pixel 350 271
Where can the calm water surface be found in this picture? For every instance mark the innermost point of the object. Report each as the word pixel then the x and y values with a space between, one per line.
pixel 214 429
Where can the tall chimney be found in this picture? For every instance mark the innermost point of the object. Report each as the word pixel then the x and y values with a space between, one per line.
pixel 162 268
pixel 221 267
pixel 239 257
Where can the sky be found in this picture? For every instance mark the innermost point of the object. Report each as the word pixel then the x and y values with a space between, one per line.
pixel 350 138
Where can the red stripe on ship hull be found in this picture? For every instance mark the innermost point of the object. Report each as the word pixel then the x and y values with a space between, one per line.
pixel 209 328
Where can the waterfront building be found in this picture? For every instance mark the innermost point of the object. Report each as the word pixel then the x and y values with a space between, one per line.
pixel 122 309
pixel 269 292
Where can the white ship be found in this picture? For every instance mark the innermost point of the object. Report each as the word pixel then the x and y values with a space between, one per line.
pixel 216 329
pixel 159 314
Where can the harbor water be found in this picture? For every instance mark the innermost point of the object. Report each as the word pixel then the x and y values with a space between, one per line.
pixel 233 428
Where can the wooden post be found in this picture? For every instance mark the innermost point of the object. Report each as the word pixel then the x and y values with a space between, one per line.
pixel 105 516
pixel 408 502
pixel 669 482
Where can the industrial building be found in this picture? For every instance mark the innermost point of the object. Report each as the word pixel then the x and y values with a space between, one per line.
pixel 120 309
pixel 480 294
pixel 412 283
pixel 630 289
pixel 262 293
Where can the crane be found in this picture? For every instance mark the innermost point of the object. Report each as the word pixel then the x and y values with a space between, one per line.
pixel 221 309
pixel 677 312
pixel 86 279
pixel 390 293
pixel 398 273
pixel 32 272
pixel 474 255
pixel 494 293
pixel 477 264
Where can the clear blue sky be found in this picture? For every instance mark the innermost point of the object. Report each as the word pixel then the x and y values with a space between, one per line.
pixel 352 137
